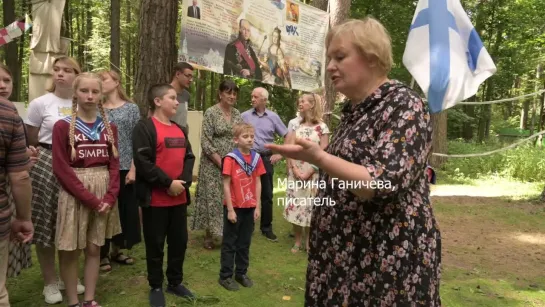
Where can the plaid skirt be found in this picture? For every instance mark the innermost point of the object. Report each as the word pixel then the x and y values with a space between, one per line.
pixel 45 193
pixel 77 224
pixel 20 254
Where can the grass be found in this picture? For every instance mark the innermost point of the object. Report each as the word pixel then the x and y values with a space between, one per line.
pixel 493 250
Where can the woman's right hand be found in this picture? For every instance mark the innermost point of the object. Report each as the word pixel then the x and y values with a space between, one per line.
pixel 302 150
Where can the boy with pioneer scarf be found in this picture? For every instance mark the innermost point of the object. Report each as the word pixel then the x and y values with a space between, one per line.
pixel 241 171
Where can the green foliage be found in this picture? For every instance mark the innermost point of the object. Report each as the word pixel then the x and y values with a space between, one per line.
pixel 457 121
pixel 98 45
pixel 524 162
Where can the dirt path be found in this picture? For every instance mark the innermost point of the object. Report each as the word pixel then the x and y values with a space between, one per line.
pixel 492 234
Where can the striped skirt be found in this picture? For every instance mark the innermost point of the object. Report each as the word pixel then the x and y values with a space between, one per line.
pixel 45 193
pixel 77 224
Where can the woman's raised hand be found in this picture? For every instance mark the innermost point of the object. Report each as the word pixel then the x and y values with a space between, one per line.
pixel 300 149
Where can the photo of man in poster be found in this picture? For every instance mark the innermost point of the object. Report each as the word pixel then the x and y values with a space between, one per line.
pixel 240 58
pixel 194 11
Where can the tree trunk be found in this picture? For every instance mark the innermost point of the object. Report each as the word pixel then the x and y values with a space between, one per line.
pixel 468 129
pixel 88 34
pixel 201 86
pixel 542 106
pixel 11 51
pixel 439 143
pixel 79 29
pixel 204 77
pixel 535 99
pixel 65 25
pixel 20 59
pixel 157 25
pixel 213 90
pixel 339 12
pixel 115 39
pixel 128 55
pixel 524 114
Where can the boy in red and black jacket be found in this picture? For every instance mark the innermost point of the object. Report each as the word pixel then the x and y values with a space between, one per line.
pixel 241 171
pixel 164 169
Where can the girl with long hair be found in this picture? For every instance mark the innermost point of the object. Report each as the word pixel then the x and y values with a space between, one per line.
pixel 86 164
pixel 125 114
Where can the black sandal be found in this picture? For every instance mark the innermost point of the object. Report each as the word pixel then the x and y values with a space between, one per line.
pixel 105 262
pixel 125 261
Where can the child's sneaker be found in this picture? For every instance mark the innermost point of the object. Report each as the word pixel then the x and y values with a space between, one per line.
pixel 80 287
pixel 244 280
pixel 52 294
pixel 180 290
pixel 228 284
pixel 157 298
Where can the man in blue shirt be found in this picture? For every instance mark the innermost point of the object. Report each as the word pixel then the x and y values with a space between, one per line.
pixel 266 124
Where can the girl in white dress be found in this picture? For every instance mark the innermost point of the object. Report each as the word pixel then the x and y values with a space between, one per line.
pixel 299 202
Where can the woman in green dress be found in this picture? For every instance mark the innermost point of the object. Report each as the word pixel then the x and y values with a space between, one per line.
pixel 216 142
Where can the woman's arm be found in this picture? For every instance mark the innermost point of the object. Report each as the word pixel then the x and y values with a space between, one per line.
pixel 32 135
pixel 401 148
pixel 189 163
pixel 113 167
pixel 135 117
pixel 207 139
pixel 34 121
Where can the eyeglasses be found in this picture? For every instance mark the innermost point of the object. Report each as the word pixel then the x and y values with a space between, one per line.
pixel 188 76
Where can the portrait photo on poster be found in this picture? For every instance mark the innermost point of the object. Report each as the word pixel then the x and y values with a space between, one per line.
pixel 193 10
pixel 292 12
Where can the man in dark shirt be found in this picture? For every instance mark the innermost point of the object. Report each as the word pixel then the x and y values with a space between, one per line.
pixel 182 76
pixel 14 161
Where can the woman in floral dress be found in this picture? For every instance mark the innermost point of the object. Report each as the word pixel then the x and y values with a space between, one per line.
pixel 299 195
pixel 216 142
pixel 374 240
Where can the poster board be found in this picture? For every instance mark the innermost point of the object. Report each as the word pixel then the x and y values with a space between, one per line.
pixel 278 42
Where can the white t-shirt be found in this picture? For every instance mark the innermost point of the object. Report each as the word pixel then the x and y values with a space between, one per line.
pixel 45 111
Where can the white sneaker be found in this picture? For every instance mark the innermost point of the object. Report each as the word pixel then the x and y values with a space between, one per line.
pixel 52 294
pixel 80 287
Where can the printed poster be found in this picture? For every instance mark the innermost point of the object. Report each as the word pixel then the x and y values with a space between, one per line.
pixel 278 42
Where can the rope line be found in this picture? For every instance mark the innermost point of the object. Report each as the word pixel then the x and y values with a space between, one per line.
pixel 120 70
pixel 475 102
pixel 488 153
pixel 501 100
pixel 482 154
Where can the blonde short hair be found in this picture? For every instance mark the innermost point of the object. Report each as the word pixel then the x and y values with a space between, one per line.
pixel 242 127
pixel 70 61
pixel 316 112
pixel 369 37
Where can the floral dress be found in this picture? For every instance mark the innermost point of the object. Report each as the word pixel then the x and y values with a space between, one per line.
pixel 385 251
pixel 216 137
pixel 299 196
